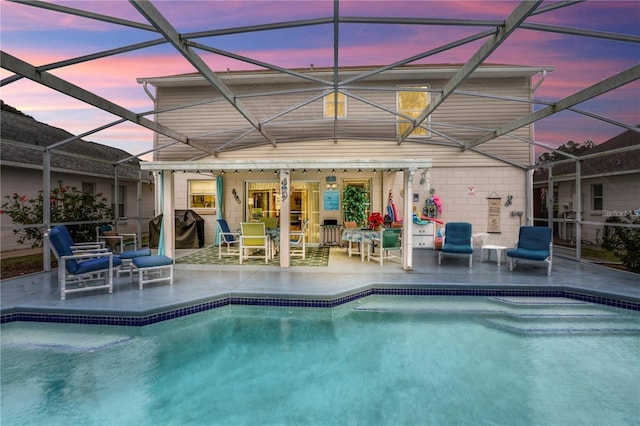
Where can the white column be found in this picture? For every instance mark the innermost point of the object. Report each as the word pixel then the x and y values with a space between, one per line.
pixel 407 224
pixel 168 212
pixel 285 218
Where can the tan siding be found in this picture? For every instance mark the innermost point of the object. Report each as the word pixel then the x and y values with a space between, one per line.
pixel 220 126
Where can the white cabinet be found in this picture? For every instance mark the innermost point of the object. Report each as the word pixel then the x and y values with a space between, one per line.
pixel 424 235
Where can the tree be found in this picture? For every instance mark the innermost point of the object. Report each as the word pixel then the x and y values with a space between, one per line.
pixel 570 147
pixel 68 204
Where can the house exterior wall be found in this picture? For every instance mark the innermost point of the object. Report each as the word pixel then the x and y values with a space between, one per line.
pixel 204 122
pixel 463 191
pixel 212 121
pixel 28 181
pixel 616 201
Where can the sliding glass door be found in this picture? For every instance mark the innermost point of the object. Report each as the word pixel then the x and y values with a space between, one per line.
pixel 263 201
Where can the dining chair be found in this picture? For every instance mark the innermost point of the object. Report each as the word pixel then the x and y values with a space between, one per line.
pixel 253 238
pixel 230 239
pixel 388 242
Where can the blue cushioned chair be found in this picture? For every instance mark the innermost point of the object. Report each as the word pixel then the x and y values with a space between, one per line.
pixel 535 244
pixel 457 241
pixel 228 238
pixel 81 267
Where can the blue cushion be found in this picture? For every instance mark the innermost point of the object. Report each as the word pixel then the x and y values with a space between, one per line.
pixel 61 241
pixel 457 233
pixel 96 264
pixel 224 227
pixel 457 248
pixel 151 261
pixel 528 254
pixel 534 238
pixel 134 253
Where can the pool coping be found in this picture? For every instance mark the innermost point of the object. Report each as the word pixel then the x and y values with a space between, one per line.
pixel 152 316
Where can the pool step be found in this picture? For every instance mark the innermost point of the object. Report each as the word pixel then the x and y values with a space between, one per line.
pixel 523 315
pixel 549 325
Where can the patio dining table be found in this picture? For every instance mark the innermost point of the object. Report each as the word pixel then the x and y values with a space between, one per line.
pixel 361 236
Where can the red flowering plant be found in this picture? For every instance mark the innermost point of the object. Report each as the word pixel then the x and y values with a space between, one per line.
pixel 375 220
pixel 67 203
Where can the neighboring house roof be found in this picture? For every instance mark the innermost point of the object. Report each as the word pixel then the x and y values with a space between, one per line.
pixel 23 139
pixel 614 163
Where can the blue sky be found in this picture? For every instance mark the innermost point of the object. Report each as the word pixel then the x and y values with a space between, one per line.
pixel 40 36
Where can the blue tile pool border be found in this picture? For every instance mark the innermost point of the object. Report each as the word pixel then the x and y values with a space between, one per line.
pixel 140 321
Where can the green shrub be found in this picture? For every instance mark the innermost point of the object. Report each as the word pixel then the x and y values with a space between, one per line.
pixel 355 201
pixel 68 204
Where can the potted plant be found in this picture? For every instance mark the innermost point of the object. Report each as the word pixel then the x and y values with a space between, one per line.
pixel 355 201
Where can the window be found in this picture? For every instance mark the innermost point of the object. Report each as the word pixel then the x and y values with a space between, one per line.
pixel 596 196
pixel 202 194
pixel 411 102
pixel 330 103
pixel 88 188
pixel 122 197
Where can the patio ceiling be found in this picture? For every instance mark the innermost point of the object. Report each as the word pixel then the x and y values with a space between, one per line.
pixel 261 129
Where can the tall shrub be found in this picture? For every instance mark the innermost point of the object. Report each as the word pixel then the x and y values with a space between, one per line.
pixel 354 204
pixel 68 204
pixel 624 242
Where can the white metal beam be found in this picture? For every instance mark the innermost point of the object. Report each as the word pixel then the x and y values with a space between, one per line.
pixel 613 82
pixel 27 70
pixel 512 22
pixel 166 29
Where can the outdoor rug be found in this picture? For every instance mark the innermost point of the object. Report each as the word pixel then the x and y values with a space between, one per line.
pixel 315 256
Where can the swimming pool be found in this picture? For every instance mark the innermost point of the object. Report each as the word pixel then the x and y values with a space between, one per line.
pixel 381 360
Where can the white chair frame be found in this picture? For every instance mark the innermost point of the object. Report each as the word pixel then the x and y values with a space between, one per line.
pixel 298 246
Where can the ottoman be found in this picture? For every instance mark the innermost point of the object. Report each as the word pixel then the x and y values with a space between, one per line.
pixel 152 269
pixel 128 256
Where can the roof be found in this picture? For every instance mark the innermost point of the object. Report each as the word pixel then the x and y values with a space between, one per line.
pixel 618 161
pixel 431 71
pixel 23 141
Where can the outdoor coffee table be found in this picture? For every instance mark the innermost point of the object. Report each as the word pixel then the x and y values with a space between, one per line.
pixel 501 251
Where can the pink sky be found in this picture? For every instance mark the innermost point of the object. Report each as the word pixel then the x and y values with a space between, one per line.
pixel 40 37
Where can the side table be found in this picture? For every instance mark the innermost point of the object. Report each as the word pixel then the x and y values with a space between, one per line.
pixel 501 251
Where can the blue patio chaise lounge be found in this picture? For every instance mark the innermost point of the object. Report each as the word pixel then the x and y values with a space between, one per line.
pixel 535 244
pixel 457 241
pixel 81 267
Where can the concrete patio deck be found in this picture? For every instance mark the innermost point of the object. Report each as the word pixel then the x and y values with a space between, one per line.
pixel 38 295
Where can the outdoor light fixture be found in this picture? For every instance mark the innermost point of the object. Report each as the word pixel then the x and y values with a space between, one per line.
pixel 250 171
pixel 359 170
pixel 236 172
pixel 331 184
pixel 221 172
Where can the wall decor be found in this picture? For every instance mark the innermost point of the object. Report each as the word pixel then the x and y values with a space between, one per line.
pixel 494 202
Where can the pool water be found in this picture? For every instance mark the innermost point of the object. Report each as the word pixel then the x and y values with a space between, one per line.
pixel 382 360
